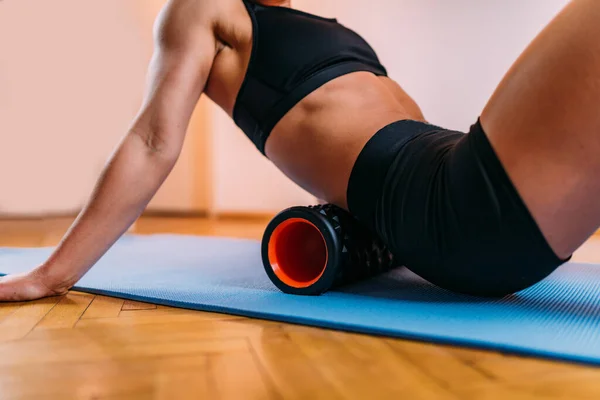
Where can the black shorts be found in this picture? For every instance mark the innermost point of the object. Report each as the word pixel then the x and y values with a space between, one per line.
pixel 443 203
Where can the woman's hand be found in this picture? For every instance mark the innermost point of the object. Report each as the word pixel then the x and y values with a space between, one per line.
pixel 28 286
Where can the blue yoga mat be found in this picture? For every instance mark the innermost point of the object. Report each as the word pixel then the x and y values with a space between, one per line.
pixel 559 318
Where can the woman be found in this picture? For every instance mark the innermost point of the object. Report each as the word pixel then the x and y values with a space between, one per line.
pixel 487 213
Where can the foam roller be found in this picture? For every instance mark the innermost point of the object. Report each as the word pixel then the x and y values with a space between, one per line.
pixel 310 250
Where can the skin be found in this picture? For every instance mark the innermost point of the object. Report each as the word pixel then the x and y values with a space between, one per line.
pixel 543 122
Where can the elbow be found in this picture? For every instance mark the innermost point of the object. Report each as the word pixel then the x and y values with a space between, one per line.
pixel 161 148
pixel 166 159
pixel 167 154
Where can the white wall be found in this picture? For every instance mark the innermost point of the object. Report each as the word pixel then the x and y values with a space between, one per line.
pixel 244 180
pixel 448 54
pixel 66 95
pixel 72 75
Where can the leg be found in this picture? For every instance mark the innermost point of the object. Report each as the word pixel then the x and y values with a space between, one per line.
pixel 544 124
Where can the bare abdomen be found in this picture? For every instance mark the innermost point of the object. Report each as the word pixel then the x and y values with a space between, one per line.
pixel 317 142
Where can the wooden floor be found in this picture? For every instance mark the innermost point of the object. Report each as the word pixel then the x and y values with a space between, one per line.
pixel 82 346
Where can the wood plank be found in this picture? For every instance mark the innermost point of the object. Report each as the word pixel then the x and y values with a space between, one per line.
pixel 181 377
pixel 18 324
pixel 147 318
pixel 237 376
pixel 440 364
pixel 103 307
pixel 130 305
pixel 156 312
pixel 465 379
pixel 99 345
pixel 231 375
pixel 535 377
pixel 191 382
pixel 7 309
pixel 377 373
pixel 289 369
pixel 67 312
pixel 182 329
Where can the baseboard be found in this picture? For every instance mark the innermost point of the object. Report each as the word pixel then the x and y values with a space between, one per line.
pixel 37 217
pixel 175 214
pixel 244 216
pixel 73 214
pixel 239 216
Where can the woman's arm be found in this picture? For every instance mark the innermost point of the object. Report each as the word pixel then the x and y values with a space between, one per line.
pixel 185 49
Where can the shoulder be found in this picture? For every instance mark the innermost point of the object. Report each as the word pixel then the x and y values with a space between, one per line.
pixel 184 21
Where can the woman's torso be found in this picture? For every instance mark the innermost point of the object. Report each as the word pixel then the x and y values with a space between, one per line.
pixel 317 141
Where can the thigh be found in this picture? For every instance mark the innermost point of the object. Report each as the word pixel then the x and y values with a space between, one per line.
pixel 543 122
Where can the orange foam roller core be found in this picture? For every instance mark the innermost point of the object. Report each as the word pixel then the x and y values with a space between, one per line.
pixel 298 253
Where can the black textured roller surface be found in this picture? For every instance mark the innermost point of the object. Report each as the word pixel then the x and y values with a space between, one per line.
pixel 354 253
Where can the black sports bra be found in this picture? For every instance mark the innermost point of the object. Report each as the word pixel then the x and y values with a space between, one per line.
pixel 293 54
